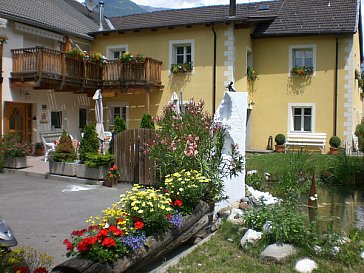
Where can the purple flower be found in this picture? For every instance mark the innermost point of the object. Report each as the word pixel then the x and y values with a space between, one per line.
pixel 176 220
pixel 134 241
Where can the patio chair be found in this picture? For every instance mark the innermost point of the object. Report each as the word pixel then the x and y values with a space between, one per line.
pixel 49 142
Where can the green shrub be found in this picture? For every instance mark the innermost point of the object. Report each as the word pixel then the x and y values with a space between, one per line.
pixel 335 142
pixel 64 150
pixel 90 142
pixel 280 139
pixel 147 122
pixel 359 132
pixel 119 125
pixel 12 146
pixel 97 160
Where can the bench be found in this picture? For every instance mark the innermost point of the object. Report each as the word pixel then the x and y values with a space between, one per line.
pixel 48 139
pixel 306 140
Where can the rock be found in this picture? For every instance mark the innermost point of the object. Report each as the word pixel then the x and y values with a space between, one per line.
pixel 265 197
pixel 277 252
pixel 335 250
pixel 216 225
pixel 250 237
pixel 343 240
pixel 267 177
pixel 251 172
pixel 267 227
pixel 254 201
pixel 317 249
pixel 362 255
pixel 244 205
pixel 305 266
pixel 202 234
pixel 197 240
pixel 239 221
pixel 245 199
pixel 235 214
pixel 224 212
pixel 230 240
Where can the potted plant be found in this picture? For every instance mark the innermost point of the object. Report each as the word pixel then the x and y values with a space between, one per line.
pixel 302 71
pixel 111 177
pixel 334 142
pixel 38 149
pixel 13 152
pixel 90 142
pixel 280 139
pixel 95 166
pixel 181 68
pixel 62 162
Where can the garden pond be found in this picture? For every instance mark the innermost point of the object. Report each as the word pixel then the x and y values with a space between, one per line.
pixel 341 208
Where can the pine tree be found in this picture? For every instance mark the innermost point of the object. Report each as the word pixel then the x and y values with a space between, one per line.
pixel 90 142
pixel 147 122
pixel 64 150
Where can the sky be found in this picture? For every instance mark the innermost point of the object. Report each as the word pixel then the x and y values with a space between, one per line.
pixel 183 3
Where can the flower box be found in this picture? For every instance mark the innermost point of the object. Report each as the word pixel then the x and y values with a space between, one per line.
pixel 15 162
pixel 181 68
pixel 62 168
pixel 158 246
pixel 302 71
pixel 91 173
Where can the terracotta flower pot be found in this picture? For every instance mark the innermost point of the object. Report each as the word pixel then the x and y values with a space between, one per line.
pixel 279 148
pixel 110 182
pixel 334 151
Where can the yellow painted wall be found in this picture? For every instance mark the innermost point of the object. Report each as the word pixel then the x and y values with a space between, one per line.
pixel 357 97
pixel 155 44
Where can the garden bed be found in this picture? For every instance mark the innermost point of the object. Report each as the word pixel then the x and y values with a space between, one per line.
pixel 157 246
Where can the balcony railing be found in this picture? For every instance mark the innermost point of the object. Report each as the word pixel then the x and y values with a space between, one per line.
pixel 55 69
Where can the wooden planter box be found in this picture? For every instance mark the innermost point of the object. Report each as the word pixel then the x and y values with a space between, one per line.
pixel 16 162
pixel 62 168
pixel 158 247
pixel 91 173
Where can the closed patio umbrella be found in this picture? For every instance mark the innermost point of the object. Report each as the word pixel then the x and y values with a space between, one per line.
pixel 99 114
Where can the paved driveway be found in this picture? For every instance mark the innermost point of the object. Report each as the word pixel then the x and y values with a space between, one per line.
pixel 43 212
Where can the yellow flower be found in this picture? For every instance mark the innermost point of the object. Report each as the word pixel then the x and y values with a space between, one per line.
pixel 140 211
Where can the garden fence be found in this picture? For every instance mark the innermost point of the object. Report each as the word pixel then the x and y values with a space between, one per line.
pixel 134 164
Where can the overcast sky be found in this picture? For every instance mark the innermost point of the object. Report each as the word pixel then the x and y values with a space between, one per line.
pixel 182 3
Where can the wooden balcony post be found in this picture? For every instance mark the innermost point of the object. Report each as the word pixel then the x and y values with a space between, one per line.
pixel 64 69
pixel 147 100
pixel 40 62
pixel 147 71
pixel 1 85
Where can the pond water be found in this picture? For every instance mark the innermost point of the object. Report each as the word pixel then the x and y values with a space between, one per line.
pixel 339 207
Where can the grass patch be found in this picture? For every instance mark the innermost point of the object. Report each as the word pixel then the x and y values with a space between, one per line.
pixel 224 254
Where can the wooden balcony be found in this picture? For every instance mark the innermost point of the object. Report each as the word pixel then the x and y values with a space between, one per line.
pixel 52 69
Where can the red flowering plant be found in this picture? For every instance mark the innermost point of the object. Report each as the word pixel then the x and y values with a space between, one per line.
pixel 192 140
pixel 12 146
pixel 113 173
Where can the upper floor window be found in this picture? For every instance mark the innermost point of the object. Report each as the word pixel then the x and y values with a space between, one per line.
pixel 115 52
pixel 182 52
pixel 302 56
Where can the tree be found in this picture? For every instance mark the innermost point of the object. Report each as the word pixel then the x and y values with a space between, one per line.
pixel 90 142
pixel 64 150
pixel 147 122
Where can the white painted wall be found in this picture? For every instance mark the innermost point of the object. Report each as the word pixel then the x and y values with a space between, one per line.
pixel 67 102
pixel 232 114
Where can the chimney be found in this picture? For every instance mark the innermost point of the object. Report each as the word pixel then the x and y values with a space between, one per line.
pixel 101 7
pixel 232 8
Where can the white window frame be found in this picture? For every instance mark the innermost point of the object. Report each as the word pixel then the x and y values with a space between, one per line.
pixel 111 49
pixel 290 118
pixel 291 48
pixel 111 113
pixel 172 52
pixel 62 123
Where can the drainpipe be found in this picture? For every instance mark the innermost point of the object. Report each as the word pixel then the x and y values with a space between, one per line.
pixel 336 85
pixel 214 74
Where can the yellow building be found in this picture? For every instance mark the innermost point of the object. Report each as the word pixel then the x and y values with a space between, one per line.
pixel 275 38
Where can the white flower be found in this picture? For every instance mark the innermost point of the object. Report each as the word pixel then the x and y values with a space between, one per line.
pixel 107 225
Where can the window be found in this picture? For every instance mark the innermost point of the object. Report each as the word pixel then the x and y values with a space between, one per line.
pixel 119 111
pixel 82 118
pixel 302 55
pixel 56 120
pixel 181 51
pixel 301 117
pixel 114 52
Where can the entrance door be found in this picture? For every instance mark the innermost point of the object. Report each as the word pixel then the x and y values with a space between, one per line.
pixel 18 120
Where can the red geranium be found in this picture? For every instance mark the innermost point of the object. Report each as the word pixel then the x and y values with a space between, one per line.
pixel 108 242
pixel 169 216
pixel 78 232
pixel 40 270
pixel 178 203
pixel 102 233
pixel 85 244
pixel 69 245
pixel 21 269
pixel 116 231
pixel 138 224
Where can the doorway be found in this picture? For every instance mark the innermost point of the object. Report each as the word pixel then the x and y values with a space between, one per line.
pixel 18 120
